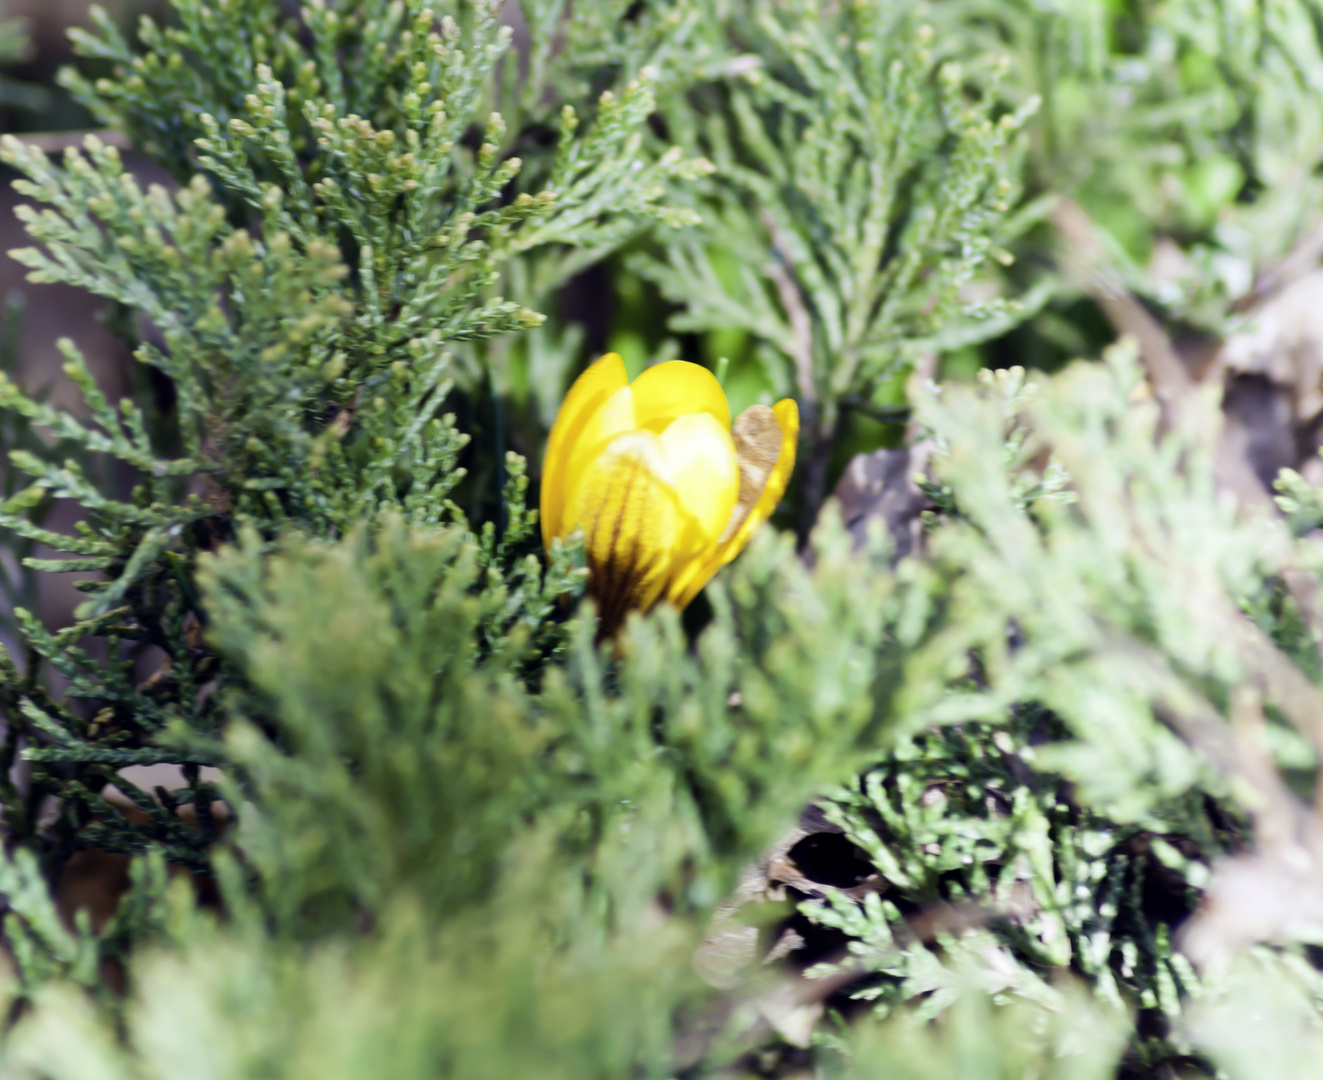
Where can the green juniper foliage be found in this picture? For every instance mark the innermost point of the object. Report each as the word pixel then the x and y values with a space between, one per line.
pixel 387 244
pixel 15 46
pixel 858 193
pixel 1189 131
pixel 1122 616
pixel 17 435
pixel 422 824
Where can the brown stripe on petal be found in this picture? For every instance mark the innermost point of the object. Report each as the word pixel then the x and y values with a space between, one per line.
pixel 629 535
pixel 757 438
pixel 615 591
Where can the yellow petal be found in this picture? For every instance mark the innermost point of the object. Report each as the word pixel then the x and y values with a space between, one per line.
pixel 690 579
pixel 590 392
pixel 614 418
pixel 627 505
pixel 701 455
pixel 668 391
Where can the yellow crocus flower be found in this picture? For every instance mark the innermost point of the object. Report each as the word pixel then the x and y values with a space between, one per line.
pixel 665 491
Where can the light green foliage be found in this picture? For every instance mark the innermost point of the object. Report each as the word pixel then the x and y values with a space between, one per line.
pixel 1115 604
pixel 333 1014
pixel 1267 1025
pixel 1012 393
pixel 964 825
pixel 416 787
pixel 1061 1036
pixel 1120 614
pixel 410 770
pixel 478 1001
pixel 13 40
pixel 963 816
pixel 44 948
pixel 819 148
pixel 407 767
pixel 1301 503
pixel 1192 125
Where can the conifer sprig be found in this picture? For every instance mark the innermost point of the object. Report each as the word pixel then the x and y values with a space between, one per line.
pixel 860 191
pixel 346 202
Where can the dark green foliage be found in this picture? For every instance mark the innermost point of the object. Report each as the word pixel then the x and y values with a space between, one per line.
pixel 17 435
pixel 300 305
